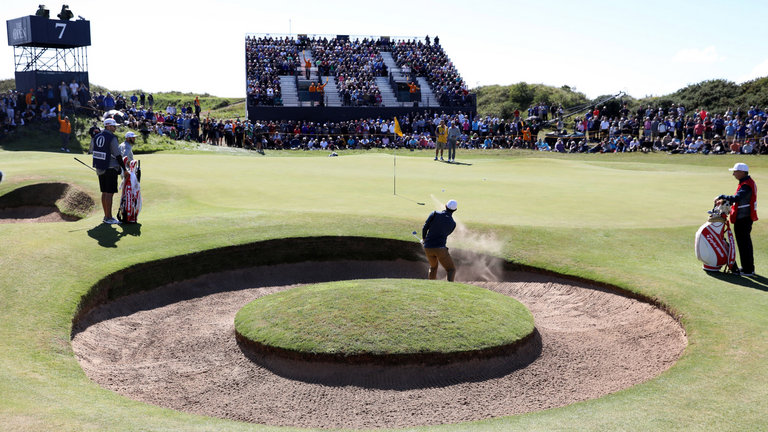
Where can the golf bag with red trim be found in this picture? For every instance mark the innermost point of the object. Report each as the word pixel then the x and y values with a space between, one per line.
pixel 130 202
pixel 714 243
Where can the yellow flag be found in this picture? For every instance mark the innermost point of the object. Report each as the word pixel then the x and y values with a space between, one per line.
pixel 398 131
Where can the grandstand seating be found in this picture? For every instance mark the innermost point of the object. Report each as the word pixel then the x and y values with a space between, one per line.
pixel 360 72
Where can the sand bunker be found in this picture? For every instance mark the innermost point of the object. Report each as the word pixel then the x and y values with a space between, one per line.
pixel 42 203
pixel 175 347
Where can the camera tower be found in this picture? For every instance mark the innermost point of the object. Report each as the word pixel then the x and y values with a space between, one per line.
pixel 49 51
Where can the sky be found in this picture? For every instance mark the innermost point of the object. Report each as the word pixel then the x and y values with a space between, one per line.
pixel 596 47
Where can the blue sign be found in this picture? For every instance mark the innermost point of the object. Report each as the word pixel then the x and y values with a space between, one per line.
pixel 43 32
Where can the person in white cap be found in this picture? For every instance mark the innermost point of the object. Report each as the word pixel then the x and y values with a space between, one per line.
pixel 108 163
pixel 126 147
pixel 743 214
pixel 126 150
pixel 434 234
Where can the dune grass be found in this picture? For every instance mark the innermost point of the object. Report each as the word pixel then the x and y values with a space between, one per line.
pixel 384 317
pixel 622 219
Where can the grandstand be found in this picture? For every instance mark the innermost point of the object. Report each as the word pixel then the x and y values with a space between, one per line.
pixel 343 77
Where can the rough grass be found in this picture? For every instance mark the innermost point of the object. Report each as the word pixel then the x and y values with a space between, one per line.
pixel 384 316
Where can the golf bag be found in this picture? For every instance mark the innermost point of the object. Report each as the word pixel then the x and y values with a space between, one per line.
pixel 130 202
pixel 714 243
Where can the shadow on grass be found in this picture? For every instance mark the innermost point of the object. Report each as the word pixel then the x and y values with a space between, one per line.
pixel 756 282
pixel 107 235
pixel 456 163
pixel 42 137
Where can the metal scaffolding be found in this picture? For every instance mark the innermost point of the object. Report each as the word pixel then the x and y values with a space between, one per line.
pixel 28 58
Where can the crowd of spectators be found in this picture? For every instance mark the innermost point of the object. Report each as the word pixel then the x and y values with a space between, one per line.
pixel 266 59
pixel 668 129
pixel 429 60
pixel 39 105
pixel 675 132
pixel 673 129
pixel 355 64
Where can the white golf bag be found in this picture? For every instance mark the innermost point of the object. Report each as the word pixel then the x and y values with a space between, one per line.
pixel 714 244
pixel 130 202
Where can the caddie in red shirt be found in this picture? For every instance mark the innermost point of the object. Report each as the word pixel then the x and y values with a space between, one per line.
pixel 743 214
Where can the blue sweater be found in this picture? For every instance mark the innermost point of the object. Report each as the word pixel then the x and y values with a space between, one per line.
pixel 437 228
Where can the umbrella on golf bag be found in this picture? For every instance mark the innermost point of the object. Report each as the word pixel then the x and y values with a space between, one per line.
pixel 714 242
pixel 130 202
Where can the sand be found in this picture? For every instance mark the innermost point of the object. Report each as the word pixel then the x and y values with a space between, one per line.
pixel 175 347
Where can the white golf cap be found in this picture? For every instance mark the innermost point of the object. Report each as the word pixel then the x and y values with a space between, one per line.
pixel 130 135
pixel 110 122
pixel 740 166
pixel 452 205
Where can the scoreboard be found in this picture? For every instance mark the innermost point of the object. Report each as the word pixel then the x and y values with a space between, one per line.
pixel 37 31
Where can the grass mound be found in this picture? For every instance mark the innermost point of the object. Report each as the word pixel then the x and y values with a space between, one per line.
pixel 384 317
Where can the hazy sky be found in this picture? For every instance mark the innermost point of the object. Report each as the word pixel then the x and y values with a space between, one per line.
pixel 598 47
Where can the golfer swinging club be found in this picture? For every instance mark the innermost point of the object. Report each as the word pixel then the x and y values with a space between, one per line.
pixel 437 228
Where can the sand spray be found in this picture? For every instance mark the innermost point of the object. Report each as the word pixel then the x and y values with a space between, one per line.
pixel 479 262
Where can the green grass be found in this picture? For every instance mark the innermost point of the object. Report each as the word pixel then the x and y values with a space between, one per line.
pixel 384 316
pixel 628 220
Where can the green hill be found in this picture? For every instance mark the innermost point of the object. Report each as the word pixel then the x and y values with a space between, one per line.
pixel 712 95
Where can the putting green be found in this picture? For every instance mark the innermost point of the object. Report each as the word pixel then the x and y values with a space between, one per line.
pixel 627 220
pixel 384 317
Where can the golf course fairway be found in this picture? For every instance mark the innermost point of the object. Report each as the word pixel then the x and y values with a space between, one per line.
pixel 625 220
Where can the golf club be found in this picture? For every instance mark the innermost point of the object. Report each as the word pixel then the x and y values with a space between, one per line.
pixel 91 168
pixel 417 236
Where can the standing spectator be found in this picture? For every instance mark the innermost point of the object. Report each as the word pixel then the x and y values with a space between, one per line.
pixel 442 139
pixel 151 101
pixel 413 90
pixel 74 88
pixel 307 66
pixel 65 129
pixel 30 99
pixel 50 95
pixel 94 129
pixel 109 102
pixel 453 136
pixel 64 92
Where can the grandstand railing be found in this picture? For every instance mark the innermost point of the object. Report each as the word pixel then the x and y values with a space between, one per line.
pixel 334 36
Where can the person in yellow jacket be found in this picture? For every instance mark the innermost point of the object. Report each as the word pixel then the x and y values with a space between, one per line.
pixel 527 138
pixel 320 89
pixel 31 100
pixel 413 89
pixel 65 129
pixel 442 139
pixel 312 93
pixel 307 66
